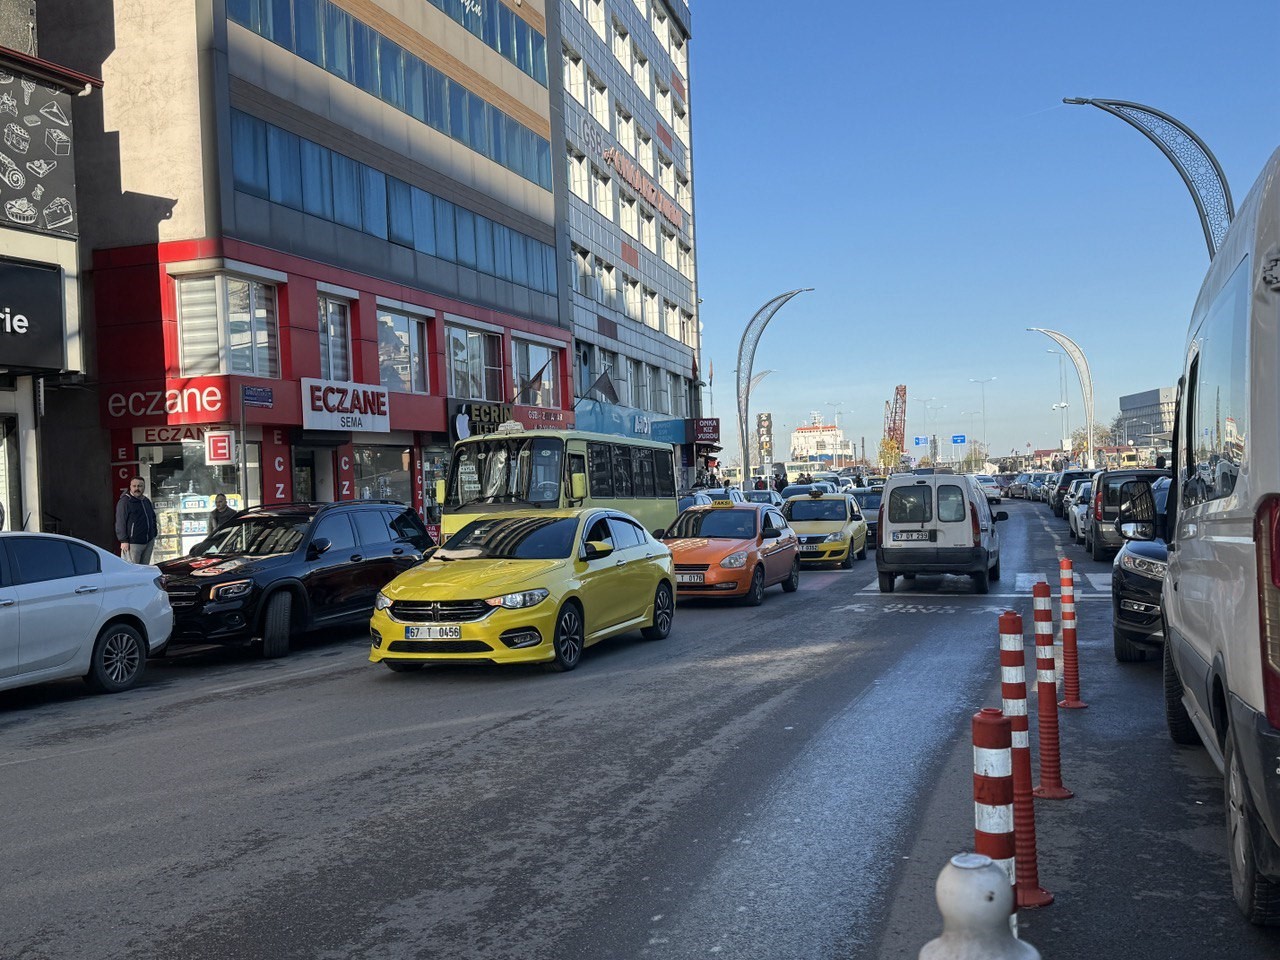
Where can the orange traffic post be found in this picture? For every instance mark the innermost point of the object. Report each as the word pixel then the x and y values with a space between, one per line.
pixel 1070 652
pixel 1051 787
pixel 993 788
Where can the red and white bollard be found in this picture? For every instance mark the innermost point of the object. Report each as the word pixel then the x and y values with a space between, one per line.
pixel 1070 652
pixel 993 788
pixel 1051 787
pixel 1013 690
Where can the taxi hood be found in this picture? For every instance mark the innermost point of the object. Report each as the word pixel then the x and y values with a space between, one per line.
pixel 465 579
pixel 819 526
pixel 706 549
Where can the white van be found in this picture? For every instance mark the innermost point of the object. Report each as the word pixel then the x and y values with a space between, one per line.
pixel 937 523
pixel 1222 524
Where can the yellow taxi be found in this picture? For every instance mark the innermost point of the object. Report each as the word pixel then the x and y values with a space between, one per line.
pixel 830 526
pixel 529 586
pixel 733 549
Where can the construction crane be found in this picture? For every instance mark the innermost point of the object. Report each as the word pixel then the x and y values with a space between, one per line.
pixel 895 427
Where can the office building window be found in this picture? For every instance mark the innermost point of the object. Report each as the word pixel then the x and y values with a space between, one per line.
pixel 579 176
pixel 640 385
pixel 651 318
pixel 402 352
pixel 537 374
pixel 335 338
pixel 598 100
pixel 227 325
pixel 474 359
pixel 641 74
pixel 631 289
pixel 603 194
pixel 575 76
pixel 644 152
pixel 648 232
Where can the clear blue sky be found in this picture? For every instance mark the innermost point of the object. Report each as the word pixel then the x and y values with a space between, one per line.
pixel 915 165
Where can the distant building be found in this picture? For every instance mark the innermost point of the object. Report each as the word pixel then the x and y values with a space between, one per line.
pixel 1145 414
pixel 820 441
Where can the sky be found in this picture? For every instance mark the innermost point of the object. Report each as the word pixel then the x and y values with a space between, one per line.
pixel 914 164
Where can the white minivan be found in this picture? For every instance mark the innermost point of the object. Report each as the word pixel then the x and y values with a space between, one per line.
pixel 937 523
pixel 1221 593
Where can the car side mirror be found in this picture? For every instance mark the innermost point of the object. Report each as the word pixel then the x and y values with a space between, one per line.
pixel 1000 515
pixel 770 533
pixel 439 491
pixel 318 547
pixel 597 549
pixel 578 486
pixel 659 534
pixel 1136 517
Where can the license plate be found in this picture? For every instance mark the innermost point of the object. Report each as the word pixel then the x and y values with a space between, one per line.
pixel 810 548
pixel 911 535
pixel 433 633
pixel 691 578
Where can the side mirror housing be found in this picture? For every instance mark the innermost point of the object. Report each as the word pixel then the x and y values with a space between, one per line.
pixel 578 486
pixel 317 548
pixel 1000 515
pixel 439 491
pixel 1136 517
pixel 770 533
pixel 597 549
pixel 659 533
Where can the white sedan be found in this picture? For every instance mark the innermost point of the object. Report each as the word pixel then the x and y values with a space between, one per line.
pixel 68 609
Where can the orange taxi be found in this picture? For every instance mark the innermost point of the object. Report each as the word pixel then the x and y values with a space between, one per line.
pixel 733 550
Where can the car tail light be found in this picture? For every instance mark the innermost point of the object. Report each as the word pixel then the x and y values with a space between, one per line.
pixel 973 521
pixel 880 518
pixel 1266 537
pixel 1097 504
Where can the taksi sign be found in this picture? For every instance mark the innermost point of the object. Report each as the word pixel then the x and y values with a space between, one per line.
pixel 472 417
pixel 31 316
pixel 334 405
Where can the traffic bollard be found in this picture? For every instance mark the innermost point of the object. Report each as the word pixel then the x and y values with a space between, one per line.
pixel 975 903
pixel 1013 690
pixel 1051 787
pixel 993 788
pixel 1070 652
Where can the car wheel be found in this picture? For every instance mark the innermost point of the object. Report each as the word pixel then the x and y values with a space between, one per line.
pixel 862 554
pixel 404 666
pixel 118 660
pixel 982 581
pixel 1126 650
pixel 847 562
pixel 1097 551
pixel 276 625
pixel 755 596
pixel 1257 897
pixel 886 582
pixel 1176 718
pixel 792 583
pixel 567 642
pixel 995 571
pixel 663 611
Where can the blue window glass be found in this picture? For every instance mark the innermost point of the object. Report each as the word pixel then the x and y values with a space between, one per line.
pixel 249 153
pixel 524 59
pixel 513 134
pixel 466 223
pixel 543 150
pixel 519 259
pixel 472 18
pixel 454 9
pixel 306 29
pixel 497 138
pixel 437 100
pixel 391 68
pixel 478 125
pixel 533 260
pixel 364 57
pixel 489 24
pixel 400 212
pixel 506 32
pixel 277 22
pixel 284 168
pixel 337 41
pixel 458 112
pixel 317 180
pixel 373 190
pixel 446 241
pixel 415 90
pixel 539 57
pixel 346 192
pixel 424 222
pixel 501 251
pixel 244 12
pixel 549 267
pixel 484 244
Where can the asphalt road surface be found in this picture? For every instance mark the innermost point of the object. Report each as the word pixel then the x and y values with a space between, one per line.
pixel 772 783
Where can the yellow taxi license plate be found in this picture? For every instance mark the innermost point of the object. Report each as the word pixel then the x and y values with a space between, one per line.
pixel 433 633
pixel 691 578
pixel 810 548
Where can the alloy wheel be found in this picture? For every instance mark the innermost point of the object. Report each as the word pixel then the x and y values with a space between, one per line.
pixel 120 657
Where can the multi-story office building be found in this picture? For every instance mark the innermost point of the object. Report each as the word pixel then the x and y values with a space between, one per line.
pixel 1143 416
pixel 328 229
pixel 623 148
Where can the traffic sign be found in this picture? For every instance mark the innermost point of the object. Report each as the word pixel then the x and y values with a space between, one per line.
pixel 958 438
pixel 921 441
pixel 256 396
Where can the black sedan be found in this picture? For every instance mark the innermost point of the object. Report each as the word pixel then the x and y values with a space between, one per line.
pixel 869 501
pixel 1137 579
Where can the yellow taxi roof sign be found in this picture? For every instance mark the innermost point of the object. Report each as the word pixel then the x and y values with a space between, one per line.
pixel 722 503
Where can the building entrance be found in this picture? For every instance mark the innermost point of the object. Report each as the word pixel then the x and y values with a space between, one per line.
pixel 313 474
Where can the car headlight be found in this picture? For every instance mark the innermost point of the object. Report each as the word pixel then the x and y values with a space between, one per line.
pixel 836 537
pixel 518 601
pixel 735 560
pixel 231 591
pixel 1151 569
pixel 381 601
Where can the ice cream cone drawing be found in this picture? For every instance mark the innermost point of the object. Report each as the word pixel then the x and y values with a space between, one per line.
pixel 28 88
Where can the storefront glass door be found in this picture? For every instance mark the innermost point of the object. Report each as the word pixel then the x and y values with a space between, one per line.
pixel 183 487
pixel 10 489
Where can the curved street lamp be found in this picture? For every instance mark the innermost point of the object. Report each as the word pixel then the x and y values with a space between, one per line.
pixel 1086 381
pixel 746 359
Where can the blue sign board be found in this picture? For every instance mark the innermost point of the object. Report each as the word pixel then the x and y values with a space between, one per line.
pixel 958 438
pixel 921 441
pixel 257 396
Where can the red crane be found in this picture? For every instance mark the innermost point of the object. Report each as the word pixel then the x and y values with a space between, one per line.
pixel 895 419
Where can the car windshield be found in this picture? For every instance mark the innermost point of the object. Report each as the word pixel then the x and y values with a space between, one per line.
pixel 868 499
pixel 258 536
pixel 506 469
pixel 715 524
pixel 802 510
pixel 511 538
pixel 1160 490
pixel 760 496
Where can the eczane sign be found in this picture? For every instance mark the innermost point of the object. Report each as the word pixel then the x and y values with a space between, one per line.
pixel 338 405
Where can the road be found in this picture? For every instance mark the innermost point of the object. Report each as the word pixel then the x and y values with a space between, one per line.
pixel 780 782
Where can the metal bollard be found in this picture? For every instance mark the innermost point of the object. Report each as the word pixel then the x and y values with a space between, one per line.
pixel 975 900
pixel 1051 787
pixel 1070 652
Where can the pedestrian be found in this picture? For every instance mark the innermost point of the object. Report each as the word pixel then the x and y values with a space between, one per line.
pixel 220 513
pixel 1160 464
pixel 136 523
pixel 760 484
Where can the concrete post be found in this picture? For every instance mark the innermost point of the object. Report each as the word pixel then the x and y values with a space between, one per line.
pixel 975 900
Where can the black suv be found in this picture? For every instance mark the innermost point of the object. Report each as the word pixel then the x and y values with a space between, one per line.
pixel 271 571
pixel 1065 479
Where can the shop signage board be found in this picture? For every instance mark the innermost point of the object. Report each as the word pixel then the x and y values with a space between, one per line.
pixel 31 316
pixel 706 430
pixel 219 447
pixel 257 396
pixel 338 405
pixel 470 417
pixel 37 163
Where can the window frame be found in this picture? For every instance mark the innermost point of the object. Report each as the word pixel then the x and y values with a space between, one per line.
pixel 222 308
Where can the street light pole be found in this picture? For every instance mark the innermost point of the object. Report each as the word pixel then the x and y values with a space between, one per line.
pixel 983 385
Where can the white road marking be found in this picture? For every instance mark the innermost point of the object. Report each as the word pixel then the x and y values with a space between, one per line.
pixel 1025 581
pixel 1100 581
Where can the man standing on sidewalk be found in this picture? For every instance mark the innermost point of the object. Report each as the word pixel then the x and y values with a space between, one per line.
pixel 136 523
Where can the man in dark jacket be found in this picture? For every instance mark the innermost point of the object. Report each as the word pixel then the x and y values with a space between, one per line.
pixel 136 523
pixel 221 513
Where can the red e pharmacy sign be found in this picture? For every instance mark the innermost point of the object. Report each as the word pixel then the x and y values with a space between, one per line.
pixel 219 447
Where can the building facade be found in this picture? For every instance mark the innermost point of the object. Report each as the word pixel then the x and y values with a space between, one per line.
pixel 623 150
pixel 1145 415
pixel 821 441
pixel 323 239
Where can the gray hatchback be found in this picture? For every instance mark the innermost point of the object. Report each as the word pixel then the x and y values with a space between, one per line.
pixel 1100 536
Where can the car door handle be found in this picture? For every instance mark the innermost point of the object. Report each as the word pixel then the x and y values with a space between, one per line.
pixel 7 603
pixel 398 551
pixel 621 563
pixel 357 557
pixel 86 589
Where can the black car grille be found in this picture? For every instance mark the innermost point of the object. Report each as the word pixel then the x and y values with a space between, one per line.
pixel 692 567
pixel 814 538
pixel 439 646
pixel 439 611
pixel 182 594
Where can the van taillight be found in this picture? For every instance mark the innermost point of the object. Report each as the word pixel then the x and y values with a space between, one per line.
pixel 1266 537
pixel 880 517
pixel 973 521
pixel 1097 504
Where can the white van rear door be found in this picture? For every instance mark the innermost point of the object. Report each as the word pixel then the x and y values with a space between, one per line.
pixel 952 510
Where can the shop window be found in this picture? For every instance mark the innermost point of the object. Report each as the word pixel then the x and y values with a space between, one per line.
pixel 402 352
pixel 475 364
pixel 183 487
pixel 227 324
pixel 10 467
pixel 537 374
pixel 335 343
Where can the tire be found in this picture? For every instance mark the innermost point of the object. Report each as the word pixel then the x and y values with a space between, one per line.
pixel 755 596
pixel 995 571
pixel 847 562
pixel 276 626
pixel 982 581
pixel 1097 551
pixel 664 607
pixel 569 638
pixel 862 554
pixel 403 666
pixel 1257 897
pixel 1176 718
pixel 119 659
pixel 886 582
pixel 792 583
pixel 1126 650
